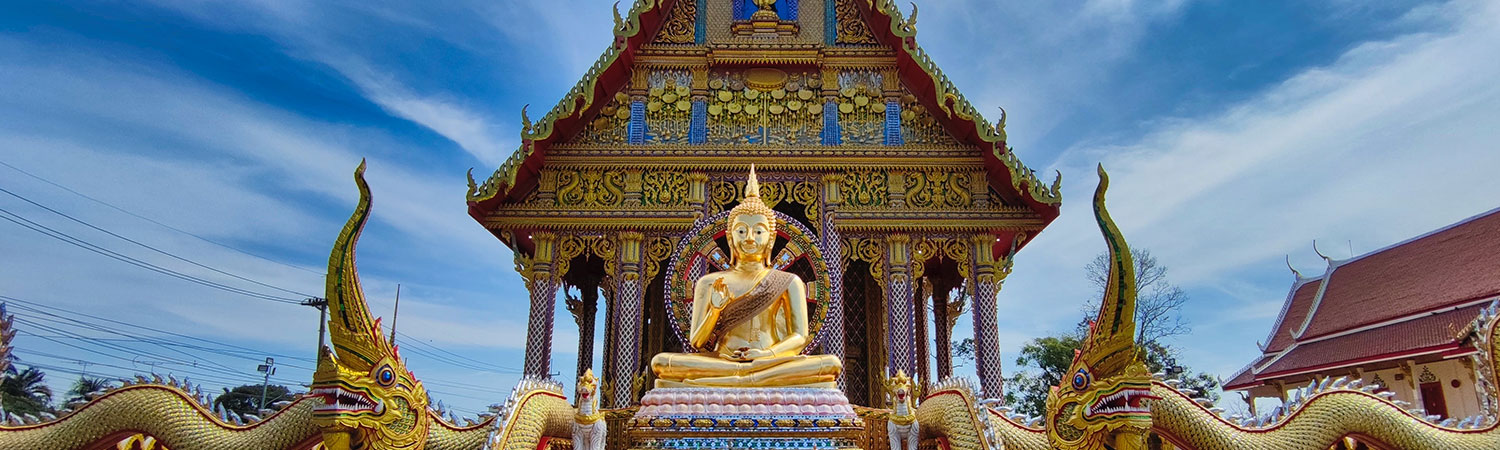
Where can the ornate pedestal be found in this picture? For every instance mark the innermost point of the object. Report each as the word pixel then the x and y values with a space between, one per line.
pixel 745 418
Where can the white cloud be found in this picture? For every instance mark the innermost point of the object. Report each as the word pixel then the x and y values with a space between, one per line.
pixel 1392 140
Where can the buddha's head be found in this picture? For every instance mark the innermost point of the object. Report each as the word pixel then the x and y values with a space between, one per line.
pixel 752 226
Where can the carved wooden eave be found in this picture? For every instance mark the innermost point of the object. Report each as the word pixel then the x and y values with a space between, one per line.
pixel 1022 202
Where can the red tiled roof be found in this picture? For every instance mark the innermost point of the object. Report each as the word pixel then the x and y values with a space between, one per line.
pixel 1432 333
pixel 1450 266
pixel 1407 299
pixel 1292 315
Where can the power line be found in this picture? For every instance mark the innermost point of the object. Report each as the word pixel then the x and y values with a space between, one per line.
pixel 148 219
pixel 49 232
pixel 235 351
pixel 133 241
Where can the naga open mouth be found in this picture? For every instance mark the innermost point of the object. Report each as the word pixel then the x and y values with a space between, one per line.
pixel 341 401
pixel 1125 402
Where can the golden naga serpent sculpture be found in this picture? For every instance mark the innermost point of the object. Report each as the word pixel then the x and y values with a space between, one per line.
pixel 1106 402
pixel 1324 415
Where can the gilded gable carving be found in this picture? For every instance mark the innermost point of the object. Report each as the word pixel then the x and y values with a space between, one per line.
pixel 680 27
pixel 864 188
pixel 590 188
pixel 851 28
pixel 664 188
pixel 936 190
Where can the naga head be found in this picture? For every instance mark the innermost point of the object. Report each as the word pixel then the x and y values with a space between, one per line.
pixel 370 400
pixel 899 388
pixel 1103 397
pixel 587 386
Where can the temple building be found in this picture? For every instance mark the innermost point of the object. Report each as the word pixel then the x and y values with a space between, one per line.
pixel 903 206
pixel 1398 317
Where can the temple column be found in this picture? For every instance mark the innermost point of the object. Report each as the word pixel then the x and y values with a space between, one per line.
pixel 543 287
pixel 923 374
pixel 899 306
pixel 942 332
pixel 628 319
pixel 988 275
pixel 833 325
pixel 584 308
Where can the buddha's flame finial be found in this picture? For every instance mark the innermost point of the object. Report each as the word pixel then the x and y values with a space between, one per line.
pixel 752 186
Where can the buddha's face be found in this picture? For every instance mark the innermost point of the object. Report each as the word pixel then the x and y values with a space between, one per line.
pixel 751 236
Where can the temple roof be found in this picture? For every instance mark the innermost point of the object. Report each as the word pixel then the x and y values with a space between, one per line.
pixel 1405 301
pixel 1013 180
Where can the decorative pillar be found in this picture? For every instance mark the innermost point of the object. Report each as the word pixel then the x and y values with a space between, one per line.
pixel 942 331
pixel 831 134
pixel 584 308
pixel 988 275
pixel 629 291
pixel 899 306
pixel 890 84
pixel 636 131
pixel 893 122
pixel 543 287
pixel 698 115
pixel 832 246
pixel 923 373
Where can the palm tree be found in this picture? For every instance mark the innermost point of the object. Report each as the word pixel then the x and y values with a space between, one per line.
pixel 85 386
pixel 25 392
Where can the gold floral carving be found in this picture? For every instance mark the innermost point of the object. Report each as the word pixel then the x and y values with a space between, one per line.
pixel 919 126
pixel 870 250
pixel 669 106
pixel 680 26
pixel 664 188
pixel 864 188
pixel 748 110
pixel 657 249
pixel 938 190
pixel 590 188
pixel 861 107
pixel 852 28
pixel 612 123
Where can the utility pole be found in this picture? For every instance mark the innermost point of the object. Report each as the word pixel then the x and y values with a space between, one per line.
pixel 395 312
pixel 322 305
pixel 268 368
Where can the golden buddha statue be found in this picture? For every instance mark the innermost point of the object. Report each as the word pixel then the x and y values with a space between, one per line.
pixel 749 322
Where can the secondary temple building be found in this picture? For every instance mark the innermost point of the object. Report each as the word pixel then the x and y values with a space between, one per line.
pixel 1398 318
pixel 903 206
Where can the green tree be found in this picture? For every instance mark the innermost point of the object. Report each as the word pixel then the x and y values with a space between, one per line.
pixel 1158 317
pixel 246 399
pixel 25 391
pixel 84 386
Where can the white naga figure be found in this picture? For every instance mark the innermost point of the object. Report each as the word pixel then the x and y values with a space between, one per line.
pixel 901 425
pixel 589 427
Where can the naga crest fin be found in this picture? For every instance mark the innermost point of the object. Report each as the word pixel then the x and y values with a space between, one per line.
pixel 354 332
pixel 1115 329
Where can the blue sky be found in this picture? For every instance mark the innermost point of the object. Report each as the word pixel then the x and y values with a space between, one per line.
pixel 1236 133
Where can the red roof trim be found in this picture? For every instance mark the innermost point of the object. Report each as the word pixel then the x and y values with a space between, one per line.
pixel 1444 348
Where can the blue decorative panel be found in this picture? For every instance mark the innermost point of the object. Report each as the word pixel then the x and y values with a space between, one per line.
pixel 742 9
pixel 700 25
pixel 831 132
pixel 830 23
pixel 637 131
pixel 698 127
pixel 787 9
pixel 893 122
